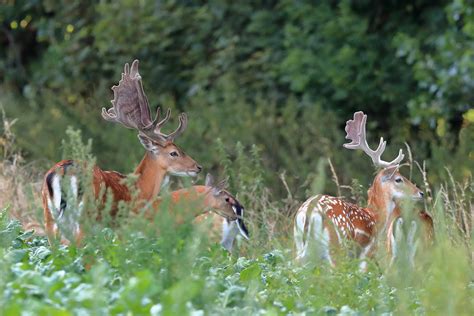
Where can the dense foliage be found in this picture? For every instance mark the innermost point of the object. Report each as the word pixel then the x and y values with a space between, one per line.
pixel 284 75
pixel 137 276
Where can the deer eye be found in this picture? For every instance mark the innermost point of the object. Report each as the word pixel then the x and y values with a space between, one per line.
pixel 174 154
pixel 227 199
pixel 398 180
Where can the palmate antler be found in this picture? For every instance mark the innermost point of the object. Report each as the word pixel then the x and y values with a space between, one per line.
pixel 130 108
pixel 355 131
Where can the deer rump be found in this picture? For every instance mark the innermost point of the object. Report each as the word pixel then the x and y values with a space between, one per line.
pixel 64 194
pixel 324 221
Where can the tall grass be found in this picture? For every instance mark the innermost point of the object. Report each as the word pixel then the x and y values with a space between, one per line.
pixel 137 266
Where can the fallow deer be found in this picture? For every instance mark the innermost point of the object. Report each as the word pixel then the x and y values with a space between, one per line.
pixel 330 222
pixel 222 229
pixel 207 199
pixel 130 108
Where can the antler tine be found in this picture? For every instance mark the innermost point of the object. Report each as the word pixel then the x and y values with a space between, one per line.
pixel 183 123
pixel 160 124
pixel 130 108
pixel 154 129
pixel 356 132
pixel 397 160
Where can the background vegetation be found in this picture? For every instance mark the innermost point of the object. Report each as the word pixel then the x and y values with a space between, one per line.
pixel 268 86
pixel 284 75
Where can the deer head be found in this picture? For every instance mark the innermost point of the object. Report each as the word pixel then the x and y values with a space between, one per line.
pixel 131 109
pixel 389 185
pixel 225 204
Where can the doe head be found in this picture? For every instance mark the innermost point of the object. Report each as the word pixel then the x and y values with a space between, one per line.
pixel 225 204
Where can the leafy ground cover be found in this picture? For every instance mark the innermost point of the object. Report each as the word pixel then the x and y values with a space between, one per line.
pixel 160 268
pixel 178 273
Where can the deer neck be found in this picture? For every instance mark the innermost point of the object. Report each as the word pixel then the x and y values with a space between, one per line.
pixel 150 177
pixel 383 208
pixel 197 197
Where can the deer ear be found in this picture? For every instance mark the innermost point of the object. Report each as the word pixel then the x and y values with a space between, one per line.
pixel 209 180
pixel 149 144
pixel 223 184
pixel 389 172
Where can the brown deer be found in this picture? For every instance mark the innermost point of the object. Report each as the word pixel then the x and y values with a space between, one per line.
pixel 130 108
pixel 222 229
pixel 329 222
pixel 206 199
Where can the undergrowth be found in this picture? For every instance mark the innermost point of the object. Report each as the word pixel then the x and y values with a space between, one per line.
pixel 138 267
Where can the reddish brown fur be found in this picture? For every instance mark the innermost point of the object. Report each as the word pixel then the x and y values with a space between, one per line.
pixel 215 227
pixel 362 225
pixel 151 172
pixel 428 227
pixel 202 199
pixel 359 224
pixel 216 220
pixel 427 230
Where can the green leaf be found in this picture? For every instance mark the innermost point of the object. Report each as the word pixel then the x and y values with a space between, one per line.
pixel 251 273
pixel 17 255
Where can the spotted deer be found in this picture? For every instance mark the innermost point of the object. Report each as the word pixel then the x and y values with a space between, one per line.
pixel 163 157
pixel 324 223
pixel 206 199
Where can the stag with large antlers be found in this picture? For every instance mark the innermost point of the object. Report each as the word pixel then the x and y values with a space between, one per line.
pixel 323 223
pixel 130 109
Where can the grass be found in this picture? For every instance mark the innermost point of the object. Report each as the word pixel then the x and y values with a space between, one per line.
pixel 158 268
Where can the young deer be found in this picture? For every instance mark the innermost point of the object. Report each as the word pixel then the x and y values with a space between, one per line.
pixel 329 221
pixel 224 228
pixel 130 108
pixel 207 199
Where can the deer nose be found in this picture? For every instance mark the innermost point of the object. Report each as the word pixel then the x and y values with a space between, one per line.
pixel 422 194
pixel 199 168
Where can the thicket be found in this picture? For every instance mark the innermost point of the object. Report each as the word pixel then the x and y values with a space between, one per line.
pixel 281 75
